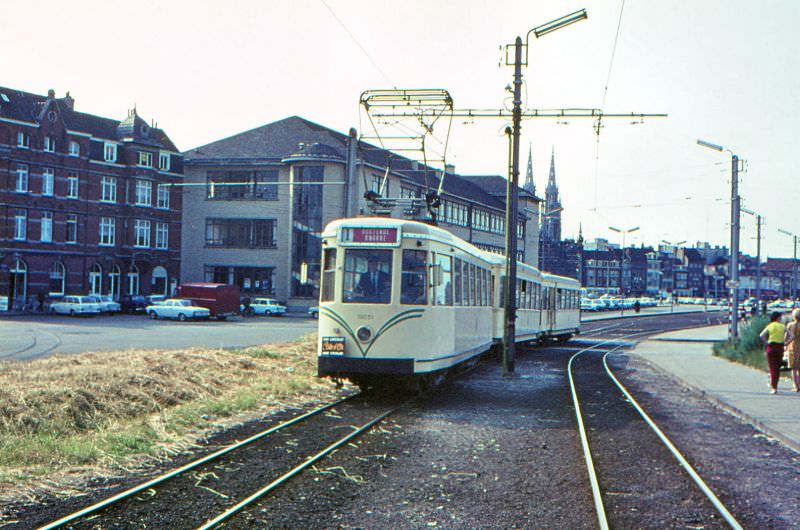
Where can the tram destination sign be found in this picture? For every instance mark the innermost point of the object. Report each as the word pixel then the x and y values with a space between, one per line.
pixel 369 236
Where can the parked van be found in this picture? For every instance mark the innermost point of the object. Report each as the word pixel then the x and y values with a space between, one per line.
pixel 221 299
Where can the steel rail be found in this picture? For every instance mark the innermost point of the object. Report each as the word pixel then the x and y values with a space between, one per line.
pixel 587 454
pixel 723 511
pixel 286 476
pixel 191 465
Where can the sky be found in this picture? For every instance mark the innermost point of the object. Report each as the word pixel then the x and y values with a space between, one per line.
pixel 726 71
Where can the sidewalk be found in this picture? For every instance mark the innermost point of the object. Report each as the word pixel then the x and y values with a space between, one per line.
pixel 686 354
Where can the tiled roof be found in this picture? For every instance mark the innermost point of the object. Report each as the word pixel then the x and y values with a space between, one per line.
pixel 280 140
pixel 27 107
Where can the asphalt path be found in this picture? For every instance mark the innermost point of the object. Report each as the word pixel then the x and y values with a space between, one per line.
pixel 29 337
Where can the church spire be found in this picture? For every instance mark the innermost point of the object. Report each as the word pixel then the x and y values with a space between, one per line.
pixel 551 181
pixel 530 185
pixel 551 225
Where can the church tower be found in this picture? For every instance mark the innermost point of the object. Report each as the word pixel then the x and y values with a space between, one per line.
pixel 530 186
pixel 551 222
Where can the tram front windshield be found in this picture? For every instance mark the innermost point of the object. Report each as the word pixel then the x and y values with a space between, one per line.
pixel 367 276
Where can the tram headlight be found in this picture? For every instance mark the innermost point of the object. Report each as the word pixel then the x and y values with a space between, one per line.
pixel 364 333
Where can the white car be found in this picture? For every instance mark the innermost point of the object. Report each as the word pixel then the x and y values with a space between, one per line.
pixel 177 308
pixel 76 305
pixel 106 303
pixel 264 306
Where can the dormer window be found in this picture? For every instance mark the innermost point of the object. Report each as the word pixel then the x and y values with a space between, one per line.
pixel 49 144
pixel 110 152
pixel 23 139
pixel 74 148
pixel 145 159
pixel 163 161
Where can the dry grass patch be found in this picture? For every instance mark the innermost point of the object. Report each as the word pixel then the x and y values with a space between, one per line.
pixel 105 412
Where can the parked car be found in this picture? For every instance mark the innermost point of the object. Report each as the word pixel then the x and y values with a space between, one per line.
pixel 177 308
pixel 313 312
pixel 133 303
pixel 263 306
pixel 76 305
pixel 219 298
pixel 106 303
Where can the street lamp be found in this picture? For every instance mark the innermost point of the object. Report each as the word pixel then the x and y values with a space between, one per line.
pixel 733 283
pixel 759 219
pixel 794 262
pixel 512 198
pixel 622 262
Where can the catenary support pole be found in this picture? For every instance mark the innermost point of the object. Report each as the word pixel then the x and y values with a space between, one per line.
pixel 734 262
pixel 510 339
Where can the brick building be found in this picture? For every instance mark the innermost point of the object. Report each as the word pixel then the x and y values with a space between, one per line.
pixel 87 204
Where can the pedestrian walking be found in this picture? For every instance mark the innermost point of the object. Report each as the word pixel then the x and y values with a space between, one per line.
pixel 774 337
pixel 793 348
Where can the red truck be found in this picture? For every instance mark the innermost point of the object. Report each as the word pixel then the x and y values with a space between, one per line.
pixel 221 299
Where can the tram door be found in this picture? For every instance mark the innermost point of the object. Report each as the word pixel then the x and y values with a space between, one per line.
pixel 549 309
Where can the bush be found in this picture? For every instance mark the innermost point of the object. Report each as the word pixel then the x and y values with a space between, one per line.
pixel 748 350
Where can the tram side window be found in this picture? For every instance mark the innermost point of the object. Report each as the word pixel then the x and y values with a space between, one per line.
pixel 414 282
pixel 473 300
pixel 457 281
pixel 444 291
pixel 367 276
pixel 478 286
pixel 328 275
pixel 486 288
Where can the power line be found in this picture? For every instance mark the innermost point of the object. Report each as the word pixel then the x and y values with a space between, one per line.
pixel 375 64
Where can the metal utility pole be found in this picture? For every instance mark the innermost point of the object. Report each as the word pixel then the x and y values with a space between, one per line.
pixel 758 258
pixel 793 292
pixel 733 272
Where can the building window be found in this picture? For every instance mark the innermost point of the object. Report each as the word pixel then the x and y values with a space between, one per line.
pixel 74 148
pixel 110 152
pixel 376 183
pixel 162 196
pixel 95 279
pixel 163 161
pixel 242 185
pixel 145 159
pixel 108 189
pixel 20 225
pixel 240 233
pixel 23 139
pixel 48 176
pixel 22 178
pixel 57 277
pixel 72 228
pixel 46 227
pixel 143 192
pixel 108 226
pixel 141 233
pixel 72 185
pixel 251 280
pixel 49 144
pixel 162 235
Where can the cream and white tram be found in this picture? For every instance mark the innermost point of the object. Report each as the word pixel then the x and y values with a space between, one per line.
pixel 403 299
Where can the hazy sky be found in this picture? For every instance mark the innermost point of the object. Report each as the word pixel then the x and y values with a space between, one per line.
pixel 725 71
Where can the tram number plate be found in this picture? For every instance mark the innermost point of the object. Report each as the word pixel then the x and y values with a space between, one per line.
pixel 332 345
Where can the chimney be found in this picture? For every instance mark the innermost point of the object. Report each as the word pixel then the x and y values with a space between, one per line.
pixel 450 168
pixel 69 101
pixel 51 94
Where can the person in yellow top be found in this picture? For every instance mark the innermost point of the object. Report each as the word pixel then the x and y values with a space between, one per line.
pixel 793 348
pixel 774 336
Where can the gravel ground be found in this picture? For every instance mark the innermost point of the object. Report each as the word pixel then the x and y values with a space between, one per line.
pixel 487 451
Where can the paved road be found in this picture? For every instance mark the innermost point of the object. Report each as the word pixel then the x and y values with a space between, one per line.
pixel 36 336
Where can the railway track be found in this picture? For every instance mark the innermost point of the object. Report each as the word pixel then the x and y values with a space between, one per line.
pixel 229 478
pixel 638 476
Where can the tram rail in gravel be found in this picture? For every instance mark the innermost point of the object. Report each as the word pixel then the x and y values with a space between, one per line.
pixel 591 468
pixel 129 493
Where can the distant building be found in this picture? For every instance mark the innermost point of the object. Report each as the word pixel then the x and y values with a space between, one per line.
pixel 261 199
pixel 87 204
